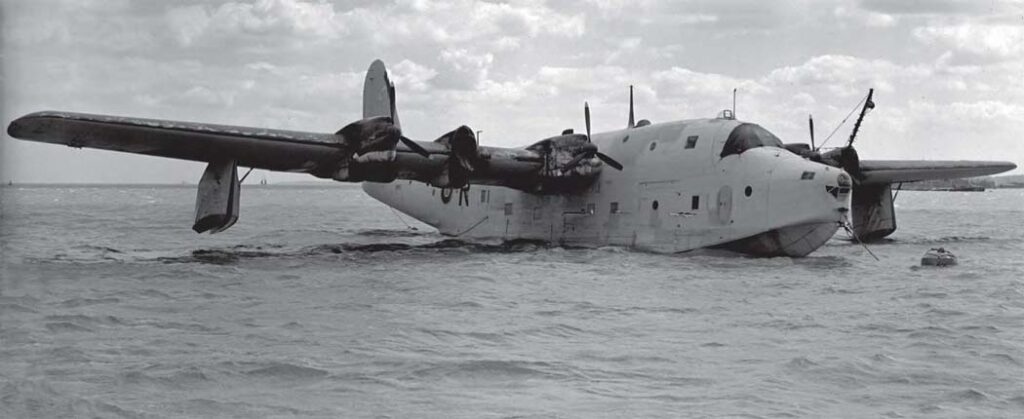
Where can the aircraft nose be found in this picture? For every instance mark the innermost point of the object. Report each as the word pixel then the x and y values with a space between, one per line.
pixel 804 191
pixel 842 186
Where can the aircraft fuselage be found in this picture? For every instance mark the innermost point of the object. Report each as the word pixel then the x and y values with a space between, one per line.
pixel 675 194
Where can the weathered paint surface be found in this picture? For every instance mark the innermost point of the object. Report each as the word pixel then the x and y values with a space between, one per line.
pixel 669 198
pixel 676 191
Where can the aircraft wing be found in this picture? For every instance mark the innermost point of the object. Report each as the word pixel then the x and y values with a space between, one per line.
pixel 369 149
pixel 251 147
pixel 877 172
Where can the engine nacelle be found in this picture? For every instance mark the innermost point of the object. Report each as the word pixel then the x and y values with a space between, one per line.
pixel 217 199
pixel 373 142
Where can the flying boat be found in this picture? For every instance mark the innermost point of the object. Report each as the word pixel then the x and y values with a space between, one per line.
pixel 661 187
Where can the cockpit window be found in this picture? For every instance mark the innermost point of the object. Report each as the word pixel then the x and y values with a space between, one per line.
pixel 747 136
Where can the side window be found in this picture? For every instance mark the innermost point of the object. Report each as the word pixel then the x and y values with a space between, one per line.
pixel 508 209
pixel 614 208
pixel 691 141
pixel 695 202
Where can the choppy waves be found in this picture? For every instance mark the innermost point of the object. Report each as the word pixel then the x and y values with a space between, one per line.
pixel 363 317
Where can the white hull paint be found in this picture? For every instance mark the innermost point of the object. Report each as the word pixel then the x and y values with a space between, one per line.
pixel 670 198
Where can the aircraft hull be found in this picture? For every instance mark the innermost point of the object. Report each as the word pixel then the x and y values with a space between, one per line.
pixel 659 219
pixel 675 194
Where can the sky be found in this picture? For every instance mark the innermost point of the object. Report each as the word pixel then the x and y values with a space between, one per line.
pixel 948 74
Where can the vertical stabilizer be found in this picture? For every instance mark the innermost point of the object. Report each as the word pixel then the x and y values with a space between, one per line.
pixel 379 93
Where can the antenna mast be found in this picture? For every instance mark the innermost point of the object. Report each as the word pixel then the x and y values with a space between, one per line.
pixel 734 102
pixel 868 104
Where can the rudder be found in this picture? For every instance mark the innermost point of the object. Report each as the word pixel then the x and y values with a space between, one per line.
pixel 379 93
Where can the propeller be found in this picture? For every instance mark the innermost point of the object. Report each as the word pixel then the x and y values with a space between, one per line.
pixel 810 123
pixel 868 105
pixel 463 155
pixel 589 150
pixel 416 148
pixel 378 133
pixel 586 117
pixel 631 123
pixel 848 158
pixel 843 157
pixel 463 147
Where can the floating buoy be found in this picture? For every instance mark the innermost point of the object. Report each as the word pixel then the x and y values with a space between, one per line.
pixel 938 256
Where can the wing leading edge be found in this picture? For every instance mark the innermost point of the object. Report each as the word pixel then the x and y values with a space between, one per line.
pixel 879 172
pixel 368 153
pixel 261 148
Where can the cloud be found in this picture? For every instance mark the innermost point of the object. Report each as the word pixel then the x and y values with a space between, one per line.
pixel 845 75
pixel 462 69
pixel 411 75
pixel 188 23
pixel 866 17
pixel 521 69
pixel 577 80
pixel 465 22
pixel 685 82
pixel 906 7
pixel 974 42
pixel 269 19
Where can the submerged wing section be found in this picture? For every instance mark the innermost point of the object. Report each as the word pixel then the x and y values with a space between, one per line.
pixel 878 172
pixel 262 148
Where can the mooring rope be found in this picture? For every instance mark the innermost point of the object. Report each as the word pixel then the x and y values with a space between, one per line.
pixel 848 226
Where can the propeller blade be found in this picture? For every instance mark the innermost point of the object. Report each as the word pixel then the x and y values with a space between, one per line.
pixel 574 162
pixel 418 149
pixel 609 161
pixel 586 116
pixel 810 123
pixel 868 104
pixel 465 163
pixel 631 123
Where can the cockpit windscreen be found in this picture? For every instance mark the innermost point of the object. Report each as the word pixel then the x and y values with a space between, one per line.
pixel 747 136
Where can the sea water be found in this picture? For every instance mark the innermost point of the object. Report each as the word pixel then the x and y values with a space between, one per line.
pixel 321 302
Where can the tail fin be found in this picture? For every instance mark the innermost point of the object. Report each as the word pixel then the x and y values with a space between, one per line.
pixel 379 93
